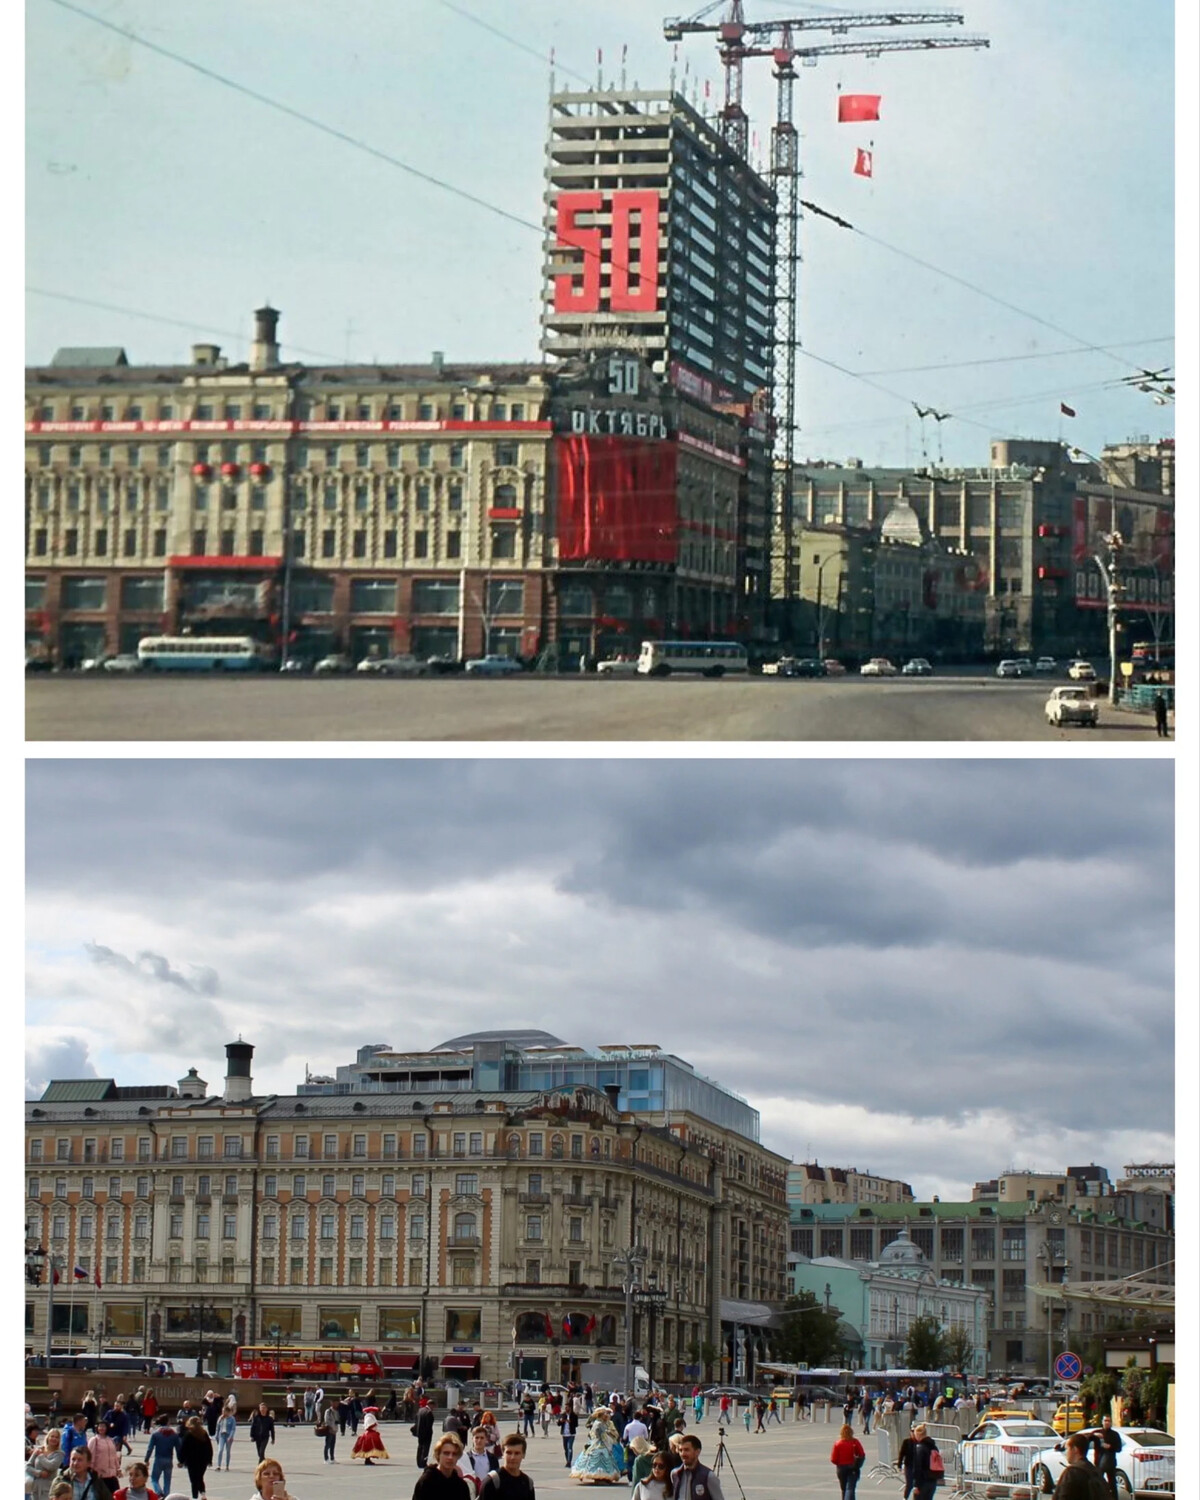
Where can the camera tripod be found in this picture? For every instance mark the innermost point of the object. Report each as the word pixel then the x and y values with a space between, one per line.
pixel 722 1458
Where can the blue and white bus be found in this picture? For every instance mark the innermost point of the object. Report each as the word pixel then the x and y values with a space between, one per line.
pixel 708 658
pixel 203 653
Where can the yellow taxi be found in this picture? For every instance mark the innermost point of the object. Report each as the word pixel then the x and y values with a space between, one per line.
pixel 1069 1416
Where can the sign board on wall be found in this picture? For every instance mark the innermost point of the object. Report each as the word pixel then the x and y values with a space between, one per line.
pixel 632 273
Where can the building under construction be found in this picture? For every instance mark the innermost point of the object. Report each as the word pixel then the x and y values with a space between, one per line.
pixel 660 244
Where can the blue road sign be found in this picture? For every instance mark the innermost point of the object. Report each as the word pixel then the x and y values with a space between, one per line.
pixel 1068 1366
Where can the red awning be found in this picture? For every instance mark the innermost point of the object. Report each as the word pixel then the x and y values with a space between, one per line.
pixel 465 1364
pixel 405 1362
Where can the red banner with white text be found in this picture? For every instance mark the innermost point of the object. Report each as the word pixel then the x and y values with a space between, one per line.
pixel 616 499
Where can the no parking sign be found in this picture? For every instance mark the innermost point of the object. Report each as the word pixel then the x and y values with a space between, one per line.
pixel 1068 1366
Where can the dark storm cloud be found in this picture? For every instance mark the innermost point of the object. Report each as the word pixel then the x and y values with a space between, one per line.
pixel 923 939
pixel 154 967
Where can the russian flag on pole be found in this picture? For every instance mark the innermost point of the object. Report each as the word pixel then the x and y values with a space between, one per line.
pixel 79 1274
pixel 852 107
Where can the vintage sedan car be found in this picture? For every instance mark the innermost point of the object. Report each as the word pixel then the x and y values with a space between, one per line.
pixel 1003 1448
pixel 392 666
pixel 916 667
pixel 333 665
pixel 834 668
pixel 493 666
pixel 780 668
pixel 1072 705
pixel 1146 1461
pixel 618 666
pixel 1012 667
pixel 878 666
pixel 1081 671
pixel 127 661
pixel 1045 664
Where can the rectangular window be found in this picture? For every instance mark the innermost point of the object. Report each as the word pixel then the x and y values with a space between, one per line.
pixel 354 1274
pixel 359 1147
pixel 399 1323
pixel 466 1184
pixel 84 593
pixel 375 596
pixel 143 1187
pixel 327 1186
pixel 270 1186
pixel 460 1143
pixel 533 1272
pixel 421 544
pixel 387 1185
pixel 35 1150
pixel 435 596
pixel 300 1147
pixel 416 1271
pixel 270 1227
pixel 204 1147
pixel 536 1143
pixel 387 1228
pixel 233 1145
pixel 533 1226
pixel 337 1322
pixel 229 1226
pixel 357 1227
pixel 418 1149
pixel 357 1185
pixel 267 1272
pixel 418 1182
pixel 296 1270
pixel 576 1230
pixel 463 1325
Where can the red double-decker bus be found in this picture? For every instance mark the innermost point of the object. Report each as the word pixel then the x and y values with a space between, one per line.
pixel 305 1362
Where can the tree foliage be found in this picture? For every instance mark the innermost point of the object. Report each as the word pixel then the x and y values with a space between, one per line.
pixel 957 1349
pixel 925 1347
pixel 808 1334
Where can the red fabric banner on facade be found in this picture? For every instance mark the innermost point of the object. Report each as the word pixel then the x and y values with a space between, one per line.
pixel 852 107
pixel 616 499
pixel 863 163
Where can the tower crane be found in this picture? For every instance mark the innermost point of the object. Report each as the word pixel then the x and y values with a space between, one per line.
pixel 737 40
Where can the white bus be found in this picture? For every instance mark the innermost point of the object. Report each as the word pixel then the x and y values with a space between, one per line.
pixel 203 653
pixel 709 658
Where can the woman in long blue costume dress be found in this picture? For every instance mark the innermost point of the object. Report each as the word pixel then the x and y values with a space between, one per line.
pixel 596 1463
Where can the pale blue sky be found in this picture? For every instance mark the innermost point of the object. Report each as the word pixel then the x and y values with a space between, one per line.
pixel 1040 169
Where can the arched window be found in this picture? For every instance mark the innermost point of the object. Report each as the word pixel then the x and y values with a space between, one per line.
pixel 532 1327
pixel 514 1144
pixel 556 1145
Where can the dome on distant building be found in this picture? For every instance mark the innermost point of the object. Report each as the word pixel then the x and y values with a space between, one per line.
pixel 902 524
pixel 517 1038
pixel 902 1252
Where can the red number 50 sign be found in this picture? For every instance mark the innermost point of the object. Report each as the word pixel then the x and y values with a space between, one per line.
pixel 623 295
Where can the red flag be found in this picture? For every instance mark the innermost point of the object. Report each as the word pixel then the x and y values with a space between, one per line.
pixel 853 107
pixel 862 162
pixel 1066 410
pixel 97 1278
pixel 56 1278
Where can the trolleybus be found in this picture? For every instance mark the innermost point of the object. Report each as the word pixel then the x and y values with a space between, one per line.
pixel 203 653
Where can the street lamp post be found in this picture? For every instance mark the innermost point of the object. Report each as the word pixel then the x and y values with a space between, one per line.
pixel 630 1264
pixel 820 604
pixel 1113 590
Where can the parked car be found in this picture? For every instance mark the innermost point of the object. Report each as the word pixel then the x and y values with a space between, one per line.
pixel 1003 1447
pixel 1010 667
pixel 808 666
pixel 392 666
pixel 1146 1461
pixel 834 668
pixel 1072 705
pixel 38 664
pixel 878 666
pixel 778 668
pixel 442 666
pixel 1081 671
pixel 1045 664
pixel 493 666
pixel 1070 1416
pixel 94 663
pixel 294 665
pixel 917 667
pixel 618 666
pixel 332 665
pixel 127 661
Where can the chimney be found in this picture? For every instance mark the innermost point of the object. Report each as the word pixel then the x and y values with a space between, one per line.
pixel 613 1090
pixel 206 354
pixel 439 360
pixel 193 1086
pixel 264 351
pixel 237 1071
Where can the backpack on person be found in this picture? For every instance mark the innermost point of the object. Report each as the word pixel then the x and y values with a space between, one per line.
pixel 937 1466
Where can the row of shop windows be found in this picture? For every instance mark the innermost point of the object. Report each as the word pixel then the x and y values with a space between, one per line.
pixel 102 542
pixel 315 596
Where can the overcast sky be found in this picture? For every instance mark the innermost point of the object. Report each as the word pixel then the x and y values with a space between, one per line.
pixel 932 970
pixel 1041 170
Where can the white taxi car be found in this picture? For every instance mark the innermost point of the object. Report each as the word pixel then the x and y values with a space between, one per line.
pixel 878 666
pixel 1004 1448
pixel 1146 1461
pixel 1081 671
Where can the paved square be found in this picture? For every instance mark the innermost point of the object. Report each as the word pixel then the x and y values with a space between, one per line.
pixel 787 1460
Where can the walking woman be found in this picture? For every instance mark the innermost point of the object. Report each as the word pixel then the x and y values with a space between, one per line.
pixel 922 1470
pixel 90 1407
pixel 196 1454
pixel 226 1431
pixel 149 1410
pixel 106 1456
pixel 848 1457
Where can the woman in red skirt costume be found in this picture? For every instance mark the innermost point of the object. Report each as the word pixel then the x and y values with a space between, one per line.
pixel 369 1444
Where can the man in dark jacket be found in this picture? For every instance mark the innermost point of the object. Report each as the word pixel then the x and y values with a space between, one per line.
pixel 424 1430
pixel 1106 1444
pixel 691 1480
pixel 262 1430
pixel 88 1486
pixel 1080 1480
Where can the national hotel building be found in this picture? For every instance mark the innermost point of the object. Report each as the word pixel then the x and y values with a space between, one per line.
pixel 458 1210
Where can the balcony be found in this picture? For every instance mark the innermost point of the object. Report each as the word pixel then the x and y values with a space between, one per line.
pixel 577 1200
pixel 463 1241
pixel 533 1197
